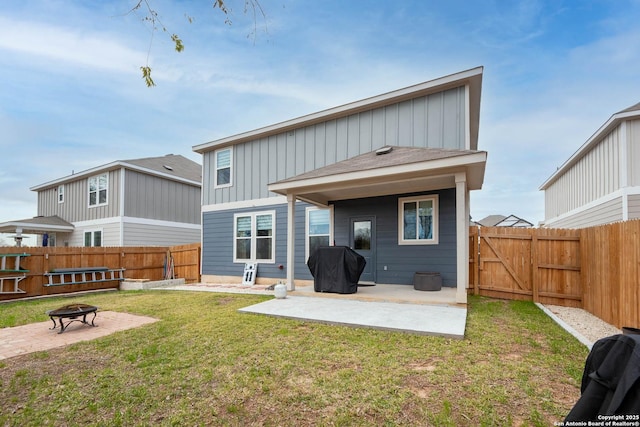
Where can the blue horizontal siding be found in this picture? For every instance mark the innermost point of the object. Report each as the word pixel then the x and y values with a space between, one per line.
pixel 217 243
pixel 403 261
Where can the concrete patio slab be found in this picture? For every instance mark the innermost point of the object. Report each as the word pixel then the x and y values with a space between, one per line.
pixel 439 320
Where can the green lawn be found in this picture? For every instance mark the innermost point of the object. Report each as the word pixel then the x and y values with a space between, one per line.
pixel 206 364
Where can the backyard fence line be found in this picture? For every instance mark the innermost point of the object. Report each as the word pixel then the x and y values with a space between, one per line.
pixel 595 268
pixel 138 262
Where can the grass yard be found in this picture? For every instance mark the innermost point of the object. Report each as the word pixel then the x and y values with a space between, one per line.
pixel 206 364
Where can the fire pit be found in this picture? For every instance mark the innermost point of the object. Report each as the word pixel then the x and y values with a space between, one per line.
pixel 73 312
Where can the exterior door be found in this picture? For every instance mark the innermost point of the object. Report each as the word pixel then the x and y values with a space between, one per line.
pixel 363 241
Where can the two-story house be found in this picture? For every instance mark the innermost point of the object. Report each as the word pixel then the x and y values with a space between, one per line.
pixel 388 176
pixel 140 202
pixel 600 182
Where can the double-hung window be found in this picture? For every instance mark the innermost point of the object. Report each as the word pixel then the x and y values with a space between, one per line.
pixel 318 229
pixel 61 193
pixel 93 238
pixel 223 160
pixel 98 188
pixel 418 220
pixel 254 237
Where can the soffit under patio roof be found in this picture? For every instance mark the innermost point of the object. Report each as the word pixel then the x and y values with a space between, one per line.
pixel 401 170
pixel 37 225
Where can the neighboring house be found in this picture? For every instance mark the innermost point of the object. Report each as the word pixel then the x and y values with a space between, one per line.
pixel 388 176
pixel 599 183
pixel 504 221
pixel 141 202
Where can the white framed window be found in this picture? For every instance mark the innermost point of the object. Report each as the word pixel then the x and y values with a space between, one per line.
pixel 98 189
pixel 418 220
pixel 61 193
pixel 92 238
pixel 318 229
pixel 222 172
pixel 254 237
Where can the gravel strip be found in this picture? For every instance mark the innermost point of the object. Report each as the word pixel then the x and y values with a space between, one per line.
pixel 586 324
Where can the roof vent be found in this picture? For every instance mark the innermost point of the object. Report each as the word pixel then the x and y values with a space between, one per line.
pixel 167 167
pixel 383 150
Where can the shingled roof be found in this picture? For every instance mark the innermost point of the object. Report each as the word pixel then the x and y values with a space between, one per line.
pixel 171 164
pixel 395 156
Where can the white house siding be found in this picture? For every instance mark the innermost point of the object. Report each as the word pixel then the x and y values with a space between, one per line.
pixel 597 213
pixel 154 234
pixel 110 233
pixel 633 152
pixel 436 121
pixel 161 199
pixel 633 204
pixel 592 177
pixel 76 205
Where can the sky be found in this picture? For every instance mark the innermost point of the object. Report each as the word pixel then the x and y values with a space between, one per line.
pixel 72 97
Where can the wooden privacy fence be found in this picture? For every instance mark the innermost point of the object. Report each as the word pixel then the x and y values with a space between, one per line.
pixel 148 262
pixel 594 268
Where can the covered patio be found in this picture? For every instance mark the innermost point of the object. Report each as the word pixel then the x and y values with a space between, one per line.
pixel 41 225
pixel 391 170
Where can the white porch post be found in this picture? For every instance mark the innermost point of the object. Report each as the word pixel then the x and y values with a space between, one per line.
pixel 291 240
pixel 462 237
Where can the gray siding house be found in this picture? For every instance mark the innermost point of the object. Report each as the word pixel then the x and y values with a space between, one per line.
pixel 388 176
pixel 140 202
pixel 600 182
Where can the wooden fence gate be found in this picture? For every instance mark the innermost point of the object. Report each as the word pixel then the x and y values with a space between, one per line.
pixel 542 265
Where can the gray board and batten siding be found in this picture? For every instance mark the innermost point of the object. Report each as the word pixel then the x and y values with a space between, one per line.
pixel 402 261
pixel 75 207
pixel 152 197
pixel 145 196
pixel 431 121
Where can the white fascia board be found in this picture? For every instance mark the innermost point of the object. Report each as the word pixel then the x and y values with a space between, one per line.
pixel 36 226
pixel 429 165
pixel 602 132
pixel 399 95
pixel 244 204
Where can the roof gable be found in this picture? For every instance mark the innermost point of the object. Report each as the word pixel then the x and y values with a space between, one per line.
pixel 470 78
pixel 179 169
pixel 632 112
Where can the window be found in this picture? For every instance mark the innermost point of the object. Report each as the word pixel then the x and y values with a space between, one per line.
pixel 254 237
pixel 60 193
pixel 418 220
pixel 318 229
pixel 223 160
pixel 93 238
pixel 98 186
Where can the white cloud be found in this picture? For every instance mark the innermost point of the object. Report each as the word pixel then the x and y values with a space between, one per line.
pixel 58 46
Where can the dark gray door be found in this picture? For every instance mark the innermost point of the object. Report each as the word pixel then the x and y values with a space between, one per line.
pixel 363 241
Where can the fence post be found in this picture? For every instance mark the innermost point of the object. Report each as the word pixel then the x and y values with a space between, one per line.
pixel 535 276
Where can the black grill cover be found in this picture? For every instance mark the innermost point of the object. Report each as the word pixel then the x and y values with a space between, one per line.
pixel 336 269
pixel 611 380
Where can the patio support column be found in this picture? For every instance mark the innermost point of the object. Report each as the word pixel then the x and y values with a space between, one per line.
pixel 291 240
pixel 462 237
